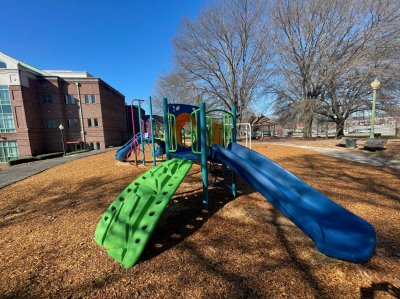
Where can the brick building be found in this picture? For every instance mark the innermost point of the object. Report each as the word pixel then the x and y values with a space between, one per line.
pixel 34 103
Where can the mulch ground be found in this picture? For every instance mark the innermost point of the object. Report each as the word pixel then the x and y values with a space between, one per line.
pixel 391 151
pixel 240 248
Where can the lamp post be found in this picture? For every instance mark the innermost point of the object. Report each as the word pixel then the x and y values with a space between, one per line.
pixel 61 127
pixel 375 85
pixel 83 134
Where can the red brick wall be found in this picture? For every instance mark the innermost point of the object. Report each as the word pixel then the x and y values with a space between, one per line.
pixel 30 115
pixel 113 116
pixel 22 115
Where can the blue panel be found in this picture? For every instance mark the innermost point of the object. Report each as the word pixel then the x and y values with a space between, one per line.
pixel 335 231
pixel 177 109
pixel 186 155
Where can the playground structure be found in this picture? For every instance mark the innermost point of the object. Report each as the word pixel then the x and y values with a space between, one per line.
pixel 145 134
pixel 128 223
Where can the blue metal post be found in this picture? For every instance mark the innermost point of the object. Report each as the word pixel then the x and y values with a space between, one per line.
pixel 141 134
pixel 234 140
pixel 166 131
pixel 152 133
pixel 204 152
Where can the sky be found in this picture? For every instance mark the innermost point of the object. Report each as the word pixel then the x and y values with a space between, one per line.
pixel 127 43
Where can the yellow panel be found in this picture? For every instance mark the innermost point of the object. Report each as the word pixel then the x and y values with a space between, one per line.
pixel 217 133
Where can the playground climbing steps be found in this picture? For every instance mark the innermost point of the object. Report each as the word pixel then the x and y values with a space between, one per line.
pixel 129 221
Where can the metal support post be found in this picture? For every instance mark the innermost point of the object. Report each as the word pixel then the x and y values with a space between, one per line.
pixel 166 131
pixel 204 153
pixel 153 153
pixel 141 134
pixel 234 140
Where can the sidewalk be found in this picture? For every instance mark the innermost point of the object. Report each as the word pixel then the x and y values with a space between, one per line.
pixel 19 172
pixel 342 153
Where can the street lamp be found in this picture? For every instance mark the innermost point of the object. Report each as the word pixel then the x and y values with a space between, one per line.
pixel 375 85
pixel 78 85
pixel 61 127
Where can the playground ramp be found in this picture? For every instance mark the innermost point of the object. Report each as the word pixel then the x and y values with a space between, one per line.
pixel 335 231
pixel 130 220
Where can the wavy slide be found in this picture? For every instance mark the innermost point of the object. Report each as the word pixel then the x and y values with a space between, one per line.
pixel 335 231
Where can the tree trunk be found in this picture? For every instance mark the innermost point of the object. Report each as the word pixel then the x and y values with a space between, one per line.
pixel 339 128
pixel 308 120
pixel 308 117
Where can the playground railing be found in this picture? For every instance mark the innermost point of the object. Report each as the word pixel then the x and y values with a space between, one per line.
pixel 194 122
pixel 172 133
pixel 227 125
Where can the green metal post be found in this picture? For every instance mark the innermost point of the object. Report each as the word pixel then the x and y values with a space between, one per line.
pixel 234 140
pixel 166 131
pixel 204 152
pixel 141 134
pixel 152 133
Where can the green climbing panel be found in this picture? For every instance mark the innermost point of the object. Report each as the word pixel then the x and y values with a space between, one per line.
pixel 129 221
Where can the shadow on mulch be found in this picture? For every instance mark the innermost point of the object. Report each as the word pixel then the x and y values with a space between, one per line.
pixel 386 287
pixel 185 214
pixel 25 209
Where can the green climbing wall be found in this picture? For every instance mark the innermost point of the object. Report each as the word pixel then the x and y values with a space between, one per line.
pixel 129 221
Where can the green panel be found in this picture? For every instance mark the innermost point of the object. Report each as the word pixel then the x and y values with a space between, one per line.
pixel 129 221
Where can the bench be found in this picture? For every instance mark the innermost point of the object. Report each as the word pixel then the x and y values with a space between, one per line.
pixel 373 144
pixel 347 142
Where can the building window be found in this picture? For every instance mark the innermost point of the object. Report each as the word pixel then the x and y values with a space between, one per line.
pixel 90 98
pixel 98 145
pixel 96 122
pixel 47 98
pixel 3 65
pixel 69 99
pixel 91 145
pixel 8 150
pixel 89 122
pixel 51 123
pixel 6 116
pixel 72 123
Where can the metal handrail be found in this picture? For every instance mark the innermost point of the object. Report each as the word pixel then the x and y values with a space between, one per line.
pixel 194 133
pixel 172 133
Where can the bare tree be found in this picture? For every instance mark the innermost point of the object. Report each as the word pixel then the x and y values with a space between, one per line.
pixel 177 89
pixel 225 52
pixel 328 52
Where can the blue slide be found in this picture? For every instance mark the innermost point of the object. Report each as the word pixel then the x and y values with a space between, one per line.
pixel 121 153
pixel 335 231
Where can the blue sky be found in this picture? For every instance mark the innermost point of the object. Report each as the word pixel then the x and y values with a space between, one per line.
pixel 126 43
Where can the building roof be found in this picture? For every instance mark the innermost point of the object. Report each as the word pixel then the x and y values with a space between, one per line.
pixel 57 73
pixel 64 74
pixel 25 65
pixel 69 74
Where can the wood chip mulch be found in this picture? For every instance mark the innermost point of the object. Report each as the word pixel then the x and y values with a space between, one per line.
pixel 240 248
